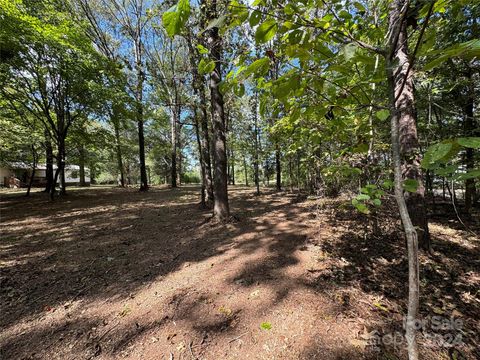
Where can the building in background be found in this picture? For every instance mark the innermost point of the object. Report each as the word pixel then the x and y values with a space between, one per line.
pixel 18 175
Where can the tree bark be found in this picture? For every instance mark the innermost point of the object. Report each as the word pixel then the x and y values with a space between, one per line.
pixel 278 167
pixel 405 104
pixel 232 163
pixel 139 113
pixel 34 165
pixel 199 90
pixel 81 164
pixel 118 147
pixel 469 130
pixel 405 145
pixel 203 198
pixel 245 169
pixel 49 162
pixel 256 150
pixel 221 209
pixel 173 155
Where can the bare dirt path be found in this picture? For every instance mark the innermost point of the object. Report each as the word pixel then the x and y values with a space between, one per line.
pixel 113 273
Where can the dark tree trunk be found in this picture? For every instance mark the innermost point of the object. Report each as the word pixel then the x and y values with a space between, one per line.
pixel 34 165
pixel 49 162
pixel 179 154
pixel 139 115
pixel 203 202
pixel 406 157
pixel 256 150
pixel 60 166
pixel 469 130
pixel 81 164
pixel 232 163
pixel 245 169
pixel 118 147
pixel 199 89
pixel 409 146
pixel 221 207
pixel 173 155
pixel 278 167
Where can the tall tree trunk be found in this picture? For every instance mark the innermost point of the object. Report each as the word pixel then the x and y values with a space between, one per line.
pixel 139 114
pixel 34 166
pixel 278 167
pixel 405 104
pixel 81 164
pixel 173 155
pixel 256 150
pixel 245 169
pixel 203 198
pixel 49 162
pixel 60 167
pixel 221 209
pixel 469 130
pixel 118 147
pixel 199 90
pixel 232 163
pixel 405 147
pixel 179 154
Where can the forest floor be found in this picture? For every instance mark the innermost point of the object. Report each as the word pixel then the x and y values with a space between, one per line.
pixel 115 273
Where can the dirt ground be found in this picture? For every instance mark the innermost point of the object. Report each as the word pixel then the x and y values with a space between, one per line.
pixel 115 273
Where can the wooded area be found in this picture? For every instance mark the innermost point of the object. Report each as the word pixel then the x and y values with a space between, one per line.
pixel 236 143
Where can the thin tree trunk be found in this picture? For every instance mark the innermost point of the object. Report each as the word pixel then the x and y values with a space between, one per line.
pixel 231 173
pixel 278 167
pixel 255 132
pixel 404 142
pixel 245 169
pixel 203 202
pixel 173 155
pixel 405 103
pixel 60 166
pixel 118 147
pixel 49 162
pixel 34 165
pixel 81 164
pixel 199 89
pixel 139 114
pixel 469 130
pixel 221 209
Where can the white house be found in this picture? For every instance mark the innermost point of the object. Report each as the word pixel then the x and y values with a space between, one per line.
pixel 18 175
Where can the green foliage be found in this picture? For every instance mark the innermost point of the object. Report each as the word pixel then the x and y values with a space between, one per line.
pixel 442 158
pixel 266 31
pixel 370 198
pixel 266 326
pixel 176 17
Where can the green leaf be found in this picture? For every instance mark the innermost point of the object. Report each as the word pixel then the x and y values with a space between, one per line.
pixel 206 66
pixel 266 31
pixel 202 49
pixel 410 185
pixel 472 174
pixel 216 23
pixel 387 184
pixel 470 142
pixel 377 202
pixel 258 67
pixel 255 18
pixel 266 326
pixel 362 208
pixel 436 152
pixel 362 197
pixel 239 90
pixel 382 114
pixel 175 18
pixel 349 51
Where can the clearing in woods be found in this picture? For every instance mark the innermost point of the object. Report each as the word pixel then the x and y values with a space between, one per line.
pixel 115 273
